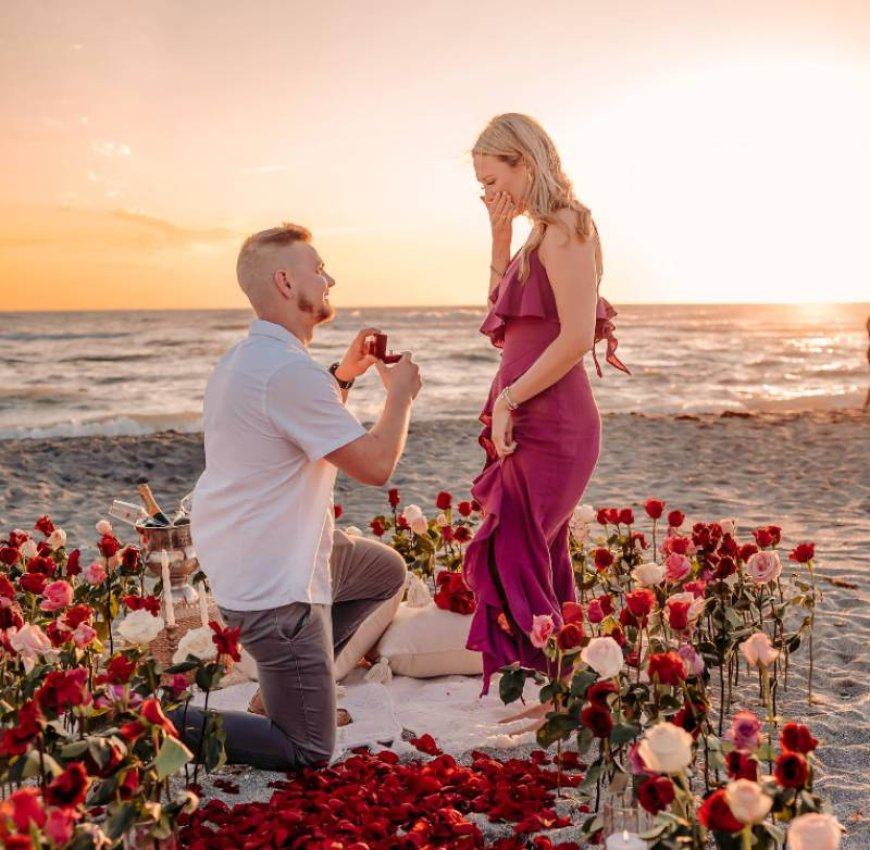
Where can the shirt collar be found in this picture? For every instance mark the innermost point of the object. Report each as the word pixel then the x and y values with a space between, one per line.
pixel 260 327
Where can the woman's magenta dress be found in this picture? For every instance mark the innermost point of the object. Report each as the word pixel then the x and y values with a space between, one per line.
pixel 518 564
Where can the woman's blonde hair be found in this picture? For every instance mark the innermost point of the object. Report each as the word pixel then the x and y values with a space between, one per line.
pixel 519 140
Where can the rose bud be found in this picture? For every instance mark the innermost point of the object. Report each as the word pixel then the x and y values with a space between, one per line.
pixel 676 519
pixel 654 508
pixel 791 770
pixel 797 738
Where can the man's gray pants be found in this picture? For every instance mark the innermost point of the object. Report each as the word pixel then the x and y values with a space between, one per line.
pixel 294 647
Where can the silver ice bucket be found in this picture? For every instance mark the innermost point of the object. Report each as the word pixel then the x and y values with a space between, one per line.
pixel 176 541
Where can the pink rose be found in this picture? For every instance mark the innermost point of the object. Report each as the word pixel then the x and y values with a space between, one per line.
pixel 59 826
pixel 692 660
pixel 57 595
pixel 745 731
pixel 94 573
pixel 677 567
pixel 764 567
pixel 814 832
pixel 595 612
pixel 542 628
pixel 83 635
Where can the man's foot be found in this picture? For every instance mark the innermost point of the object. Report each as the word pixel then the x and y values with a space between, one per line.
pixel 255 706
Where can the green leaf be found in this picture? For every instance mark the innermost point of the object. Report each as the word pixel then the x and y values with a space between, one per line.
pixel 184 666
pixel 623 733
pixel 511 684
pixel 173 755
pixel 556 728
pixel 581 682
pixel 121 820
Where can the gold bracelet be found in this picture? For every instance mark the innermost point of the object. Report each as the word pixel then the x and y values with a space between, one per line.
pixel 500 274
pixel 508 400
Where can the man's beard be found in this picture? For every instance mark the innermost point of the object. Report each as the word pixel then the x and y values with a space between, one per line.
pixel 322 312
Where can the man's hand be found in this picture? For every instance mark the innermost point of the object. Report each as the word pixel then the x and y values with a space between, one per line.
pixel 357 360
pixel 402 379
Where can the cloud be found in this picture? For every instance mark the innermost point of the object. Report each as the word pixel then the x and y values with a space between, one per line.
pixel 111 149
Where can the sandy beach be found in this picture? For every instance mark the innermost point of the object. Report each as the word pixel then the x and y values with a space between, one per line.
pixel 809 472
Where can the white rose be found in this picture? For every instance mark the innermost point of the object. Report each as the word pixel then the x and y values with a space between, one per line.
pixel 604 656
pixel 764 567
pixel 419 595
pixel 585 513
pixel 30 642
pixel 28 549
pixel 140 627
pixel 104 527
pixel 748 803
pixel 814 832
pixel 729 526
pixel 442 520
pixel 353 531
pixel 649 574
pixel 198 643
pixel 666 748
pixel 757 650
pixel 57 539
pixel 412 512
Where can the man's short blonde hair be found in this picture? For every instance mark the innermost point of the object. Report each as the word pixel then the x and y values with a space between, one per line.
pixel 249 266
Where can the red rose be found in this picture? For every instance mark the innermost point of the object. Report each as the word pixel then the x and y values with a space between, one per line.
pixel 401 522
pixel 726 567
pixel 78 614
pixel 762 537
pixel 603 558
pixel 108 545
pixel 57 633
pixel 475 506
pixel 16 740
pixel 119 669
pixel 33 583
pixel 464 508
pixel 378 528
pixel 17 537
pixel 70 788
pixel 716 814
pixel 9 555
pixel 447 532
pixel 654 508
pixel 746 551
pixel 617 634
pixel 690 717
pixel 443 501
pixel 129 784
pixel 45 525
pixel 226 640
pixel 26 808
pixel 678 615
pixel 640 602
pixel 62 689
pixel 612 515
pixel 601 516
pixel 637 539
pixel 676 519
pixel 797 738
pixel 7 589
pixel 129 558
pixel 741 765
pixel 72 563
pixel 606 603
pixel 666 668
pixel 803 552
pixel 572 612
pixel 152 712
pixel 626 516
pixel 151 604
pixel 570 636
pixel 679 545
pixel 393 496
pixel 338 511
pixel 462 534
pixel 597 718
pixel 791 770
pixel 775 533
pixel 598 692
pixel 10 618
pixel 41 566
pixel 656 794
pixel 728 546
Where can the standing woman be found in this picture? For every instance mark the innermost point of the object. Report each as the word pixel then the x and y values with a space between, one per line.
pixel 541 425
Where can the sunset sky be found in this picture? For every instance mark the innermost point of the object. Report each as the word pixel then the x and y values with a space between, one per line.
pixel 724 148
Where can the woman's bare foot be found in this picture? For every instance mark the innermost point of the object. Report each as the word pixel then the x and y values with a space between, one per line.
pixel 536 711
pixel 255 706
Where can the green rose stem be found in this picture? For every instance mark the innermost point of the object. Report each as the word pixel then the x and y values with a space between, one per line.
pixel 812 626
pixel 655 521
pixel 201 736
pixel 746 834
pixel 771 719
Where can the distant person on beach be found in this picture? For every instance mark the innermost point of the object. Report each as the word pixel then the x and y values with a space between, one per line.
pixel 276 432
pixel 867 400
pixel 541 424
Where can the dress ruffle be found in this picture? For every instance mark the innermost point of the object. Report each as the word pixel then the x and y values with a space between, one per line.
pixel 604 329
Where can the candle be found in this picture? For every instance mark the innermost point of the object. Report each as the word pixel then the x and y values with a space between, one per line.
pixel 167 590
pixel 203 604
pixel 625 841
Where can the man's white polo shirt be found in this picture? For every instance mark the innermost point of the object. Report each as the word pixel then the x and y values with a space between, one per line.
pixel 263 517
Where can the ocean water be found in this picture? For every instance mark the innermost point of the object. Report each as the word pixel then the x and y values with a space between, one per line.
pixel 79 373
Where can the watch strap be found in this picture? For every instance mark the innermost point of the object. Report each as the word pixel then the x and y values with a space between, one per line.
pixel 345 385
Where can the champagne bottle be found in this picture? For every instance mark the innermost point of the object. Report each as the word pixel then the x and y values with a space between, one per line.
pixel 156 517
pixel 127 512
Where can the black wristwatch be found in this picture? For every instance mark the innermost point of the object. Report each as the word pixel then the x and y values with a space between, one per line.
pixel 345 385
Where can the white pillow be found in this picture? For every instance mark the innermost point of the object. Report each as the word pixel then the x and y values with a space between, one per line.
pixel 429 641
pixel 366 636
